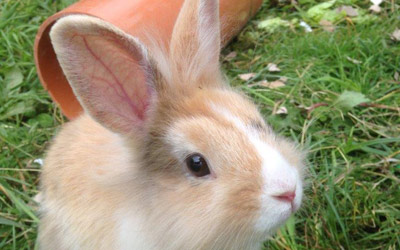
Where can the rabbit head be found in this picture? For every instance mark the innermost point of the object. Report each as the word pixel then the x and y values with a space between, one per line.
pixel 212 173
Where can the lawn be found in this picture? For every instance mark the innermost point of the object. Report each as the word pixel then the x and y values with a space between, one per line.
pixel 334 90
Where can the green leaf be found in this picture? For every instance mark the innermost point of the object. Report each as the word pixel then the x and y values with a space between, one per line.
pixel 45 120
pixel 349 99
pixel 272 24
pixel 16 109
pixel 365 18
pixel 13 78
pixel 317 12
pixel 333 16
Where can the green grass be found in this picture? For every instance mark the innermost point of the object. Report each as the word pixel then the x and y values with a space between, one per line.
pixel 353 192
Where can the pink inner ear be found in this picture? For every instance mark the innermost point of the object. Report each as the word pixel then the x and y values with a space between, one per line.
pixel 114 86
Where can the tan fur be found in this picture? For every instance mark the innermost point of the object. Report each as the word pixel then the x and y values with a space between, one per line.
pixel 86 173
pixel 71 177
pixel 107 186
pixel 189 45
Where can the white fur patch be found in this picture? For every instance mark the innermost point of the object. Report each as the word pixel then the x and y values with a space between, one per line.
pixel 278 177
pixel 130 231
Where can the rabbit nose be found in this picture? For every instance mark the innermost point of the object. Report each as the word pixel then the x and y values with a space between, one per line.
pixel 286 196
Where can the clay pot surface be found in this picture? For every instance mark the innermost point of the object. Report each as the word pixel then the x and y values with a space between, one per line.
pixel 139 18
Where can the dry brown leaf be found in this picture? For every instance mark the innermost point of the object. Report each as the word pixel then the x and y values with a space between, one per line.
pixel 272 67
pixel 327 26
pixel 376 2
pixel 282 110
pixel 231 55
pixel 375 8
pixel 395 35
pixel 350 11
pixel 247 76
pixel 283 79
pixel 271 85
pixel 255 59
pixel 276 84
pixel 38 198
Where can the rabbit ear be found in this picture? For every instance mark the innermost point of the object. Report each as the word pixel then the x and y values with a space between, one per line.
pixel 195 43
pixel 108 70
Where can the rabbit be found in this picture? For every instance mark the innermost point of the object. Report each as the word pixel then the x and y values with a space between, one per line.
pixel 166 155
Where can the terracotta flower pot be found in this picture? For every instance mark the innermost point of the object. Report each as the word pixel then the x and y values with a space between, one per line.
pixel 134 17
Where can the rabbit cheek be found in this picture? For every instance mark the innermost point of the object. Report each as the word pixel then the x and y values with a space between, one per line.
pixel 237 168
pixel 279 189
pixel 242 205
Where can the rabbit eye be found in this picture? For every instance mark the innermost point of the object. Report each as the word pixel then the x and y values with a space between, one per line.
pixel 197 165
